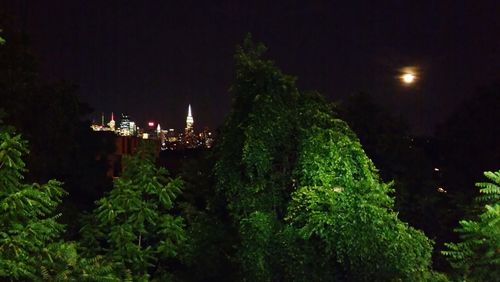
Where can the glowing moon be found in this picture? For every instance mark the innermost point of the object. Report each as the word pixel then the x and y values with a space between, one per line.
pixel 408 78
pixel 409 75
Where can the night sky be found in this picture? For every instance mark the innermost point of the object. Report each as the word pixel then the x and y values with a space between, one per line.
pixel 151 58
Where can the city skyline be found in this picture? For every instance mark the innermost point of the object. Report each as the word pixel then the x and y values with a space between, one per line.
pixel 168 138
pixel 172 53
pixel 104 118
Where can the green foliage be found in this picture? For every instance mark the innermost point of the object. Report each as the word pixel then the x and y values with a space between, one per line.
pixel 257 231
pixel 490 191
pixel 28 226
pixel 262 117
pixel 343 210
pixel 254 163
pixel 306 200
pixel 329 152
pixel 367 241
pixel 212 236
pixel 2 41
pixel 132 226
pixel 477 256
pixel 30 247
pixel 67 265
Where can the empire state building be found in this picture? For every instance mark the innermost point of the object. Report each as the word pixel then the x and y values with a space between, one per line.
pixel 189 120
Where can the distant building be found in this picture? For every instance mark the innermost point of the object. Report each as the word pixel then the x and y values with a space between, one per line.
pixel 189 120
pixel 169 139
pixel 206 138
pixel 166 139
pixel 102 127
pixel 189 139
pixel 127 127
pixel 111 123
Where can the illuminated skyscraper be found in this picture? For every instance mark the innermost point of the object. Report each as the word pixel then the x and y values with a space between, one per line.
pixel 189 120
pixel 111 123
pixel 127 127
pixel 189 139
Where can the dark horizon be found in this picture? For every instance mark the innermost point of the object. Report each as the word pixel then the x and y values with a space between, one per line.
pixel 152 61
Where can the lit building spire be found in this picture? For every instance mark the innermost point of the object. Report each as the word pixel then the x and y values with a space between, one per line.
pixel 111 123
pixel 189 119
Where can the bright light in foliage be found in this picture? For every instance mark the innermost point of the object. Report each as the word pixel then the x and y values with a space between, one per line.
pixel 151 124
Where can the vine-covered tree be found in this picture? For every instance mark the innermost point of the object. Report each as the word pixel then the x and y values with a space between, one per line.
pixel 255 158
pixel 132 225
pixel 477 256
pixel 307 201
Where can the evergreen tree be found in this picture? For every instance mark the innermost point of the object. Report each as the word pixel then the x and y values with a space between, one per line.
pixel 477 256
pixel 132 225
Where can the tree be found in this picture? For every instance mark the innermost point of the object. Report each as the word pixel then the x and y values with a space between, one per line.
pixel 28 222
pixel 301 190
pixel 131 226
pixel 30 244
pixel 407 160
pixel 212 237
pixel 50 117
pixel 477 256
pixel 255 158
pixel 342 210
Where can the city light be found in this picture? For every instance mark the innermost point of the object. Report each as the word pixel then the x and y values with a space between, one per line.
pixel 167 139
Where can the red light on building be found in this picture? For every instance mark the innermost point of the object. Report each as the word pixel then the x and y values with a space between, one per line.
pixel 151 124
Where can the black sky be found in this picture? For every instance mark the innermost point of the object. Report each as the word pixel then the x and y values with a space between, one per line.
pixel 151 58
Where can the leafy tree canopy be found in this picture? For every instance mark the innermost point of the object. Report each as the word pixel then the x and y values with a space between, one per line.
pixel 30 244
pixel 27 220
pixel 132 226
pixel 299 185
pixel 477 256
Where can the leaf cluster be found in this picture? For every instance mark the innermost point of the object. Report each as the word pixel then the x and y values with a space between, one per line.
pixel 477 256
pixel 30 244
pixel 132 225
pixel 28 223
